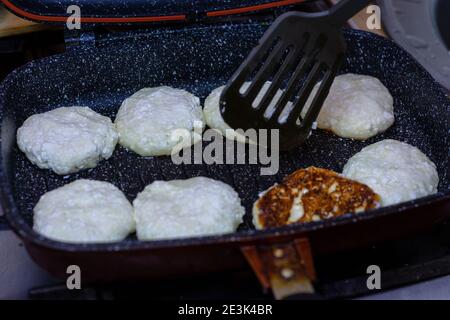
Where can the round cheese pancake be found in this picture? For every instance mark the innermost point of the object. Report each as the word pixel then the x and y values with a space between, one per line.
pixel 186 208
pixel 151 120
pixel 395 170
pixel 311 194
pixel 357 107
pixel 213 117
pixel 84 211
pixel 67 140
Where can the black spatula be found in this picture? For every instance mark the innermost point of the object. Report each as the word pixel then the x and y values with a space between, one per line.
pixel 296 52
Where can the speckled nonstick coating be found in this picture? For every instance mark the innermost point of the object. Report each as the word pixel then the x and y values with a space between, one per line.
pixel 199 59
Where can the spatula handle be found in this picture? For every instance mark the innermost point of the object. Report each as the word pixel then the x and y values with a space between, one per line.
pixel 345 9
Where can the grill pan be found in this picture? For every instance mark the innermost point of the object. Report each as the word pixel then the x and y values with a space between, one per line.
pixel 199 58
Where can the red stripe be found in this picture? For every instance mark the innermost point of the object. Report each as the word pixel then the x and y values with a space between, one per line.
pixel 38 17
pixel 180 17
pixel 253 8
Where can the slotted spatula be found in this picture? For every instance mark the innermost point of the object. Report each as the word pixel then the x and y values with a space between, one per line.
pixel 297 51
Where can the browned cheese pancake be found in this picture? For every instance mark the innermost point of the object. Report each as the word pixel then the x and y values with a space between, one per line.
pixel 311 194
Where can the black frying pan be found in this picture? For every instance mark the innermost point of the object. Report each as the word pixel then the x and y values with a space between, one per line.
pixel 199 58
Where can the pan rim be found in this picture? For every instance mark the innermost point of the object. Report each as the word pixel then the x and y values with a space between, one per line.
pixel 24 230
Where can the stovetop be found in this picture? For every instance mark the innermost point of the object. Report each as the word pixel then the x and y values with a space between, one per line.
pixel 422 261
pixel 343 275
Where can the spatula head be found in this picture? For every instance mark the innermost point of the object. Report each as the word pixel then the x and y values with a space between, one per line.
pixel 295 53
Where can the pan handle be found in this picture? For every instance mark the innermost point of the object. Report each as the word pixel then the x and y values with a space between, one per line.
pixel 287 268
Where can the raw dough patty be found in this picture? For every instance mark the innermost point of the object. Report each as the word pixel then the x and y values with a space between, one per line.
pixel 147 121
pixel 311 194
pixel 395 170
pixel 213 117
pixel 357 107
pixel 184 208
pixel 67 139
pixel 84 211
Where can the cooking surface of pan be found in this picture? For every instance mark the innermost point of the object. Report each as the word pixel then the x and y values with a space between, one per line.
pixel 199 59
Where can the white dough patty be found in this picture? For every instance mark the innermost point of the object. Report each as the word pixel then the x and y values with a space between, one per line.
pixel 84 211
pixel 67 139
pixel 395 170
pixel 357 107
pixel 148 120
pixel 213 117
pixel 184 208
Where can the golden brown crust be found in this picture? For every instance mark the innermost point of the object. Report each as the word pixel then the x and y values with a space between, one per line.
pixel 321 193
